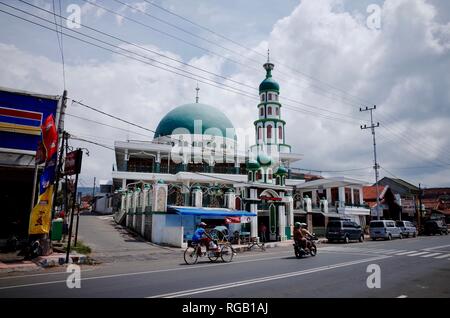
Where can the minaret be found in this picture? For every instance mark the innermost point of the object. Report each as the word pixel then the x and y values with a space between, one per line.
pixel 270 128
pixel 196 97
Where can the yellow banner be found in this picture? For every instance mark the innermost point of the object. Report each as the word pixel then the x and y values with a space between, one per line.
pixel 42 213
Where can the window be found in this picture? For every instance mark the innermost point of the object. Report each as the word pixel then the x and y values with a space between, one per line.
pixel 258 175
pixel 269 131
pixel 280 132
pixel 269 111
pixel 261 111
pixel 356 196
pixel 250 176
pixel 270 96
pixel 262 97
pixel 277 112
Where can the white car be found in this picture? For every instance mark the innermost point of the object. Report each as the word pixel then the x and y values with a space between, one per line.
pixel 385 229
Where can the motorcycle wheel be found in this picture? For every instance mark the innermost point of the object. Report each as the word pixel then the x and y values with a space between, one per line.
pixel 313 250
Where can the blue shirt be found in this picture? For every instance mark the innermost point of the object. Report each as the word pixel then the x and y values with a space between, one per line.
pixel 198 234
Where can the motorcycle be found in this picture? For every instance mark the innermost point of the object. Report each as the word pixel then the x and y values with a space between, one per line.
pixel 311 248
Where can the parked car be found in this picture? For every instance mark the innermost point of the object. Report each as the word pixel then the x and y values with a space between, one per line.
pixel 385 229
pixel 408 229
pixel 343 230
pixel 435 227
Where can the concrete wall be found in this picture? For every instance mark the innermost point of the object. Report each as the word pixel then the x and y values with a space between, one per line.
pixel 167 229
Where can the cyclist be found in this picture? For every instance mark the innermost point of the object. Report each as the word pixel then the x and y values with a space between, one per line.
pixel 203 238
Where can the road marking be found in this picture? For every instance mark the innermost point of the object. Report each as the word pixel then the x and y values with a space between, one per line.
pixel 443 256
pixel 417 254
pixel 406 253
pixel 402 296
pixel 430 255
pixel 435 248
pixel 201 290
pixel 144 272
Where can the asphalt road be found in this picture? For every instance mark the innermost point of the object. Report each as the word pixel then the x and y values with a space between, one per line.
pixel 415 267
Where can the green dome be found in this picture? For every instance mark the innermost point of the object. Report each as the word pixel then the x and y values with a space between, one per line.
pixel 252 165
pixel 184 116
pixel 280 170
pixel 269 85
pixel 264 160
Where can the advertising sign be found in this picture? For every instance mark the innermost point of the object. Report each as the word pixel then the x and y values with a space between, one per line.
pixel 72 163
pixel 41 213
pixel 21 116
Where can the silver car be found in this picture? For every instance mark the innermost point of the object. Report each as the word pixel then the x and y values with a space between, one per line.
pixel 385 229
pixel 408 229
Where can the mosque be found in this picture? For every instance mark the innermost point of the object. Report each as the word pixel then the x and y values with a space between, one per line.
pixel 193 170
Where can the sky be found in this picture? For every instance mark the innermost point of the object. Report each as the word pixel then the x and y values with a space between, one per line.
pixel 331 58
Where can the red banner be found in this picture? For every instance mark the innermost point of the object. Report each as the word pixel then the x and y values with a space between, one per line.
pixel 232 219
pixel 49 137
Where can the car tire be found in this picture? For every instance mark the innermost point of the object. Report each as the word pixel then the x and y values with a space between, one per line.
pixel 346 239
pixel 330 241
pixel 361 238
pixel 374 239
pixel 414 234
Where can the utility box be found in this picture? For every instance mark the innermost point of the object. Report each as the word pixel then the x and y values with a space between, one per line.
pixel 57 229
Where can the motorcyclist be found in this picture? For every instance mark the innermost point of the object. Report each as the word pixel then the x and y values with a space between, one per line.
pixel 298 236
pixel 305 234
pixel 203 238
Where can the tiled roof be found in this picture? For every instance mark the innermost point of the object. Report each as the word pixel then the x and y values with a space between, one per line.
pixel 370 193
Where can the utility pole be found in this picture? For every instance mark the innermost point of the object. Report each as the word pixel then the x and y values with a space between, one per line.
pixel 376 166
pixel 93 195
pixel 419 213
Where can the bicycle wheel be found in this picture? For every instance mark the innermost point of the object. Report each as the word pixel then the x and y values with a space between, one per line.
pixel 190 255
pixel 226 253
pixel 213 256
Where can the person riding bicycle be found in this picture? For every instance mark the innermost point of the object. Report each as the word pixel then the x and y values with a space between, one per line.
pixel 298 236
pixel 305 234
pixel 203 238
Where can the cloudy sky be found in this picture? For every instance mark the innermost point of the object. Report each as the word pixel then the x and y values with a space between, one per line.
pixel 331 57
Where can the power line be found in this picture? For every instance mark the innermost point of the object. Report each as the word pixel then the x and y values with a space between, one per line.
pixel 214 43
pixel 234 90
pixel 252 50
pixel 60 42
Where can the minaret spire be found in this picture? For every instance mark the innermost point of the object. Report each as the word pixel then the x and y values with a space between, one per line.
pixel 196 97
pixel 268 66
pixel 268 56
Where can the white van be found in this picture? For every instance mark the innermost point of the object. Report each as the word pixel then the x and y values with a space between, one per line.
pixel 386 229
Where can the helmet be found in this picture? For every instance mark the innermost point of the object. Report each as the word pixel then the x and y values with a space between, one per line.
pixel 297 224
pixel 304 225
pixel 202 224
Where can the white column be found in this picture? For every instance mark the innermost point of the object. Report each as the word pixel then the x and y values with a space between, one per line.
pixel 124 184
pixel 314 197
pixel 353 198
pixel 281 223
pixel 328 193
pixel 341 195
pixel 361 198
pixel 290 210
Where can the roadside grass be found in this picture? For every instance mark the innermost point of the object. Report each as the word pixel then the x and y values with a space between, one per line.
pixel 80 248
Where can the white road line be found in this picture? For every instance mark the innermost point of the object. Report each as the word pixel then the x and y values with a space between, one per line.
pixel 443 256
pixel 430 255
pixel 402 296
pixel 406 253
pixel 417 254
pixel 201 290
pixel 435 248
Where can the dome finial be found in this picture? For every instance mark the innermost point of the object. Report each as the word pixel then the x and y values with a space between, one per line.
pixel 268 66
pixel 268 56
pixel 196 97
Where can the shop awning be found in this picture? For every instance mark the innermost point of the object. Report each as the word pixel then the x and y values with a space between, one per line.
pixel 208 211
